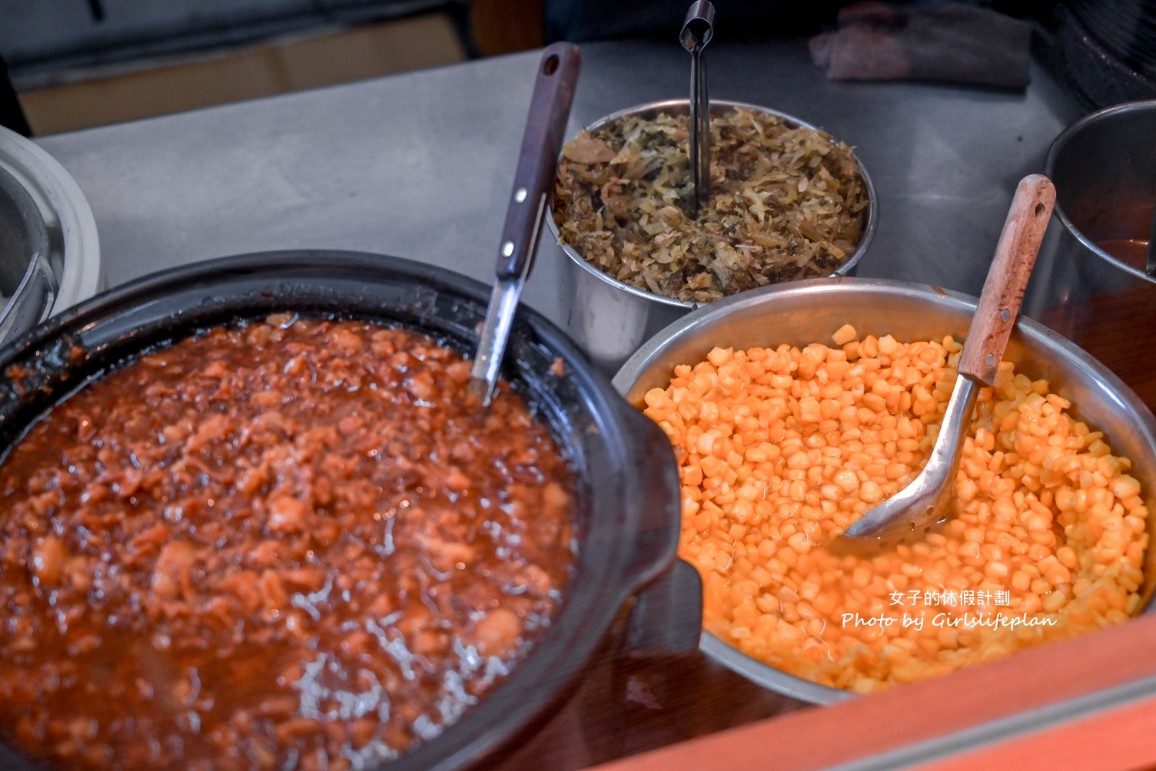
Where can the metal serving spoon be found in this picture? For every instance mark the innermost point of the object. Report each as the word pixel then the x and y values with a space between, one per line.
pixel 928 498
pixel 533 178
pixel 697 31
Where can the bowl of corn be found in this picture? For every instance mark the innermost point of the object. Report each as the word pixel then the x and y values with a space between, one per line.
pixel 793 409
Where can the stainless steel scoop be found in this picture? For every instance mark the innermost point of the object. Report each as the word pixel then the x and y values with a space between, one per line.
pixel 26 277
pixel 697 31
pixel 928 498
pixel 533 178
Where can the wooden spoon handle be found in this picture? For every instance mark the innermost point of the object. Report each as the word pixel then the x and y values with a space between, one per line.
pixel 1003 290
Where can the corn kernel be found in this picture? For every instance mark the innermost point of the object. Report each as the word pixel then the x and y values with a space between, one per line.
pixel 781 449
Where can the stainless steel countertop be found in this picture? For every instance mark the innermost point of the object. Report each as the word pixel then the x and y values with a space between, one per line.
pixel 420 165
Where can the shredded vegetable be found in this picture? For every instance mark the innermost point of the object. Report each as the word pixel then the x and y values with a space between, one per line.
pixel 786 203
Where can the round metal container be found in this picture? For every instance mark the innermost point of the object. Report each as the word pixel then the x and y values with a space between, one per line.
pixel 27 281
pixel 810 311
pixel 1104 171
pixel 73 245
pixel 609 319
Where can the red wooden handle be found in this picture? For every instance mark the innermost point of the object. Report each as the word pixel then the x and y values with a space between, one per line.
pixel 1003 291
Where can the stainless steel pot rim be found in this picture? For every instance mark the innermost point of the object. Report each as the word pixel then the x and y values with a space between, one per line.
pixel 621 286
pixel 73 240
pixel 670 104
pixel 1054 150
pixel 891 289
pixel 769 677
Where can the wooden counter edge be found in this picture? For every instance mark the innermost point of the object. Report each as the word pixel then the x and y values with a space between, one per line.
pixel 859 729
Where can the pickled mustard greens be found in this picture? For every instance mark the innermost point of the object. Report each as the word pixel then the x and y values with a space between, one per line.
pixel 786 203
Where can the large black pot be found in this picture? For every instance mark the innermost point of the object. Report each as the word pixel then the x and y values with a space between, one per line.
pixel 628 497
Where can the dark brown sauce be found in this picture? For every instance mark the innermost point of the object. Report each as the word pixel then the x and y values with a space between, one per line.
pixel 295 543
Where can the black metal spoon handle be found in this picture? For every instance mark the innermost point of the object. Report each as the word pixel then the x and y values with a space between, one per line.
pixel 697 31
pixel 538 158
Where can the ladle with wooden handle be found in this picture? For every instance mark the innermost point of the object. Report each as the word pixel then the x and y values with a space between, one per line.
pixel 533 178
pixel 928 498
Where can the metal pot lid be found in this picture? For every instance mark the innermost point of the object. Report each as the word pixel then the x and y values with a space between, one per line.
pixel 27 282
pixel 73 246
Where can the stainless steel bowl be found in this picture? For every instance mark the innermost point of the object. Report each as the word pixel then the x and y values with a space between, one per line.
pixel 810 311
pixel 1084 286
pixel 73 250
pixel 609 319
pixel 27 282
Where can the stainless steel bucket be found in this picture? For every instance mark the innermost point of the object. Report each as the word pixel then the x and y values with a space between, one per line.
pixel 1086 286
pixel 610 320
